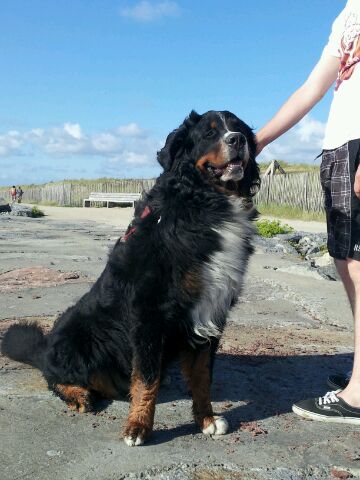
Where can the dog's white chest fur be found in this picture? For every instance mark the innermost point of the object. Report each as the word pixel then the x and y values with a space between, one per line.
pixel 223 275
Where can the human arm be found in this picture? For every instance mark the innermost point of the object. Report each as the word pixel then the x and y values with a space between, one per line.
pixel 301 102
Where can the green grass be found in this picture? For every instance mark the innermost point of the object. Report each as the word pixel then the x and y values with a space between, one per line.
pixel 292 167
pixel 324 248
pixel 36 212
pixel 270 228
pixel 287 211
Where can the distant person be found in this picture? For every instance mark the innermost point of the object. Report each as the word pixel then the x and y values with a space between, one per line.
pixel 340 179
pixel 19 194
pixel 13 194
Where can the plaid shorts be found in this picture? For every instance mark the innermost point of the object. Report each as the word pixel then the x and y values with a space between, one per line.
pixel 337 175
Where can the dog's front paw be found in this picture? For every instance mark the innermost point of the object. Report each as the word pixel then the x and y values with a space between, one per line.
pixel 135 435
pixel 215 426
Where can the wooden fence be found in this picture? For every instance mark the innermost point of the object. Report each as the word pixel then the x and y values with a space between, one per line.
pixel 301 190
pixel 73 194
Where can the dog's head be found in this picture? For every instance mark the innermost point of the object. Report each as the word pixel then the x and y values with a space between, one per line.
pixel 221 146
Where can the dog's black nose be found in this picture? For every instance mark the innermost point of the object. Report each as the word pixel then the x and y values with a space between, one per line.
pixel 235 140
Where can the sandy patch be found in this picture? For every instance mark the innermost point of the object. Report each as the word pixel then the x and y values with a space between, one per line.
pixel 116 216
pixel 122 216
pixel 32 277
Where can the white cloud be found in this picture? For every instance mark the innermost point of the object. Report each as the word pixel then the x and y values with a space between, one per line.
pixel 121 149
pixel 105 143
pixel 300 145
pixel 146 11
pixel 131 130
pixel 73 129
pixel 135 158
pixel 67 151
pixel 67 139
pixel 38 132
pixel 11 143
pixel 132 146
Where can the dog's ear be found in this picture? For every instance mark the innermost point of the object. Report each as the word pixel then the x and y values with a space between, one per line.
pixel 177 141
pixel 173 146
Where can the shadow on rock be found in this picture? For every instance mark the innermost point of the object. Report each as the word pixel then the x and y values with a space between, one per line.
pixel 269 385
pixel 266 386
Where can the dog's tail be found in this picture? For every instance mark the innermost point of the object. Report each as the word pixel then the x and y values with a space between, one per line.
pixel 25 343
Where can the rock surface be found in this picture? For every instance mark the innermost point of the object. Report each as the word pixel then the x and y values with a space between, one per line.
pixel 286 334
pixel 310 247
pixel 17 210
pixel 4 206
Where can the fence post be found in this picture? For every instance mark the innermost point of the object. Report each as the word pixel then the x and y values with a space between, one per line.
pixel 268 190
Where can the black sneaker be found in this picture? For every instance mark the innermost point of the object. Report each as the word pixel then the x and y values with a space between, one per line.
pixel 339 381
pixel 328 408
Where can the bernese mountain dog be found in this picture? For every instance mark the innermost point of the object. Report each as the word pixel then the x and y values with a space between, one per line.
pixel 168 285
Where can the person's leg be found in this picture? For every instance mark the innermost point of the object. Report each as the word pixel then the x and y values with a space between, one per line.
pixel 342 266
pixel 349 271
pixel 343 222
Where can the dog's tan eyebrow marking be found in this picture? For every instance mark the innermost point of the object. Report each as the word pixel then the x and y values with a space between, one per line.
pixel 213 124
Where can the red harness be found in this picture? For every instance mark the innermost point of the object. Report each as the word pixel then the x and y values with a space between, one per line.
pixel 131 229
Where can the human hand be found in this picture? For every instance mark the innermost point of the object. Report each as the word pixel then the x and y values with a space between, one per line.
pixel 357 182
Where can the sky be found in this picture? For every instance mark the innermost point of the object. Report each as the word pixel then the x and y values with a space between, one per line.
pixel 91 88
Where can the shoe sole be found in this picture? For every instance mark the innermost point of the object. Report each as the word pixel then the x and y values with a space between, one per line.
pixel 323 418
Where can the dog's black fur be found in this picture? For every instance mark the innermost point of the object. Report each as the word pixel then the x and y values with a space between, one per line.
pixel 138 314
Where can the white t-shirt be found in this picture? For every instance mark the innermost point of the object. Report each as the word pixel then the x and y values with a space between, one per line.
pixel 344 43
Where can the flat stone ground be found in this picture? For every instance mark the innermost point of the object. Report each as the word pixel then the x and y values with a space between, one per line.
pixel 287 333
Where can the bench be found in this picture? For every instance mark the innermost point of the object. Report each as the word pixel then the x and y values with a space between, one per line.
pixel 111 198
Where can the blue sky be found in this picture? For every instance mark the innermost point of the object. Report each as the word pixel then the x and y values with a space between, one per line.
pixel 91 88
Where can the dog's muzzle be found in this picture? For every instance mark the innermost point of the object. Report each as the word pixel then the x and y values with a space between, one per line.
pixel 234 169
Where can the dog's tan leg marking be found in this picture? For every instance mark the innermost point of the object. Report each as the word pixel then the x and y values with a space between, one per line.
pixel 196 370
pixel 76 398
pixel 142 409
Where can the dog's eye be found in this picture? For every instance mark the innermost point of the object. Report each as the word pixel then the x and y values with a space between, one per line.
pixel 210 133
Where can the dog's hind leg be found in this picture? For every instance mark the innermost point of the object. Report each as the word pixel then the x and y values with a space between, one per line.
pixel 196 368
pixel 76 398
